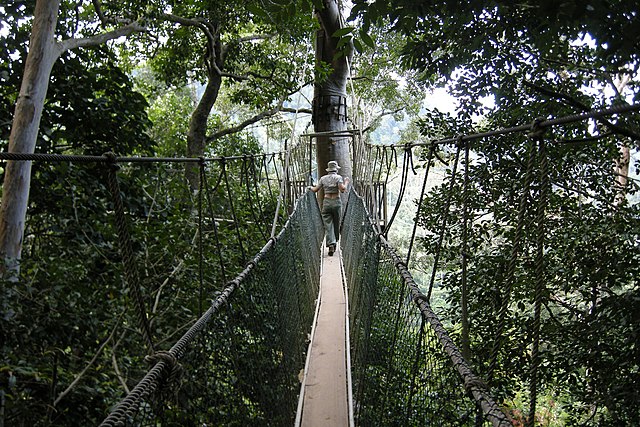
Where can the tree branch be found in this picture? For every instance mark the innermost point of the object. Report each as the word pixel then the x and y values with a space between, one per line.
pixel 585 108
pixel 208 31
pixel 299 110
pixel 86 368
pixel 116 368
pixel 381 115
pixel 69 44
pixel 265 114
pixel 255 37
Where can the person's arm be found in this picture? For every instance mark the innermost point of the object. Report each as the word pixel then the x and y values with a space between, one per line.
pixel 314 188
pixel 343 185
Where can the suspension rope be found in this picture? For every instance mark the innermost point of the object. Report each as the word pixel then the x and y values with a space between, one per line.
pixel 543 124
pixel 110 158
pixel 200 238
pixel 540 275
pixel 281 197
pixel 445 217
pixel 464 253
pixel 406 164
pixel 234 216
pixel 126 251
pixel 245 173
pixel 216 234
pixel 422 193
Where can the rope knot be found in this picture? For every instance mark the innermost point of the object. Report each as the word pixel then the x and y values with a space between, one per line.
pixel 112 159
pixel 175 369
pixel 471 382
pixel 460 143
pixel 537 131
pixel 163 356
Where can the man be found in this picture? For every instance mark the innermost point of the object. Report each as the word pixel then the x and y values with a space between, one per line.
pixel 333 185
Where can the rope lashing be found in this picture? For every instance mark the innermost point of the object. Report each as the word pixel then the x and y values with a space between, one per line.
pixel 175 369
pixel 128 259
pixel 537 131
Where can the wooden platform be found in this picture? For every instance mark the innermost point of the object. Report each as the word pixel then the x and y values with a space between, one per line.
pixel 325 393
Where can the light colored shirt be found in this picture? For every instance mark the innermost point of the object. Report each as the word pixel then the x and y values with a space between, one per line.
pixel 330 183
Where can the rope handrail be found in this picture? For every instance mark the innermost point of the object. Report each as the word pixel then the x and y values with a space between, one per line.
pixel 375 256
pixel 161 370
pixel 471 382
pixel 541 124
pixel 78 158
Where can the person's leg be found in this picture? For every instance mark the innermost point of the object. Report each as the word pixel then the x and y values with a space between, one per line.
pixel 336 219
pixel 327 219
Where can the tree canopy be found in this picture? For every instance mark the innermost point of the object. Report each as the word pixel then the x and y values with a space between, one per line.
pixel 70 343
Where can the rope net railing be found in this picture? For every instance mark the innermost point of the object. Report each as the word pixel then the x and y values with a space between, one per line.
pixel 406 369
pixel 143 257
pixel 239 363
pixel 525 244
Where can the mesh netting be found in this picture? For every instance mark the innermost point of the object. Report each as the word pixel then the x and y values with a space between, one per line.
pixel 405 368
pixel 239 364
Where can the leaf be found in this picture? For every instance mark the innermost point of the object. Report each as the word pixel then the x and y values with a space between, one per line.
pixel 343 42
pixel 366 38
pixel 357 45
pixel 342 32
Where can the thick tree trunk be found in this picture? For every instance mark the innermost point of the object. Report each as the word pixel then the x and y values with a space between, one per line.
pixel 330 96
pixel 197 135
pixel 43 52
pixel 196 138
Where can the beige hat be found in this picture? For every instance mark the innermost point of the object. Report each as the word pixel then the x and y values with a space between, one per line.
pixel 332 166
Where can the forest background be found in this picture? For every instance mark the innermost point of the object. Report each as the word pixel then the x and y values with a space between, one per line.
pixel 221 79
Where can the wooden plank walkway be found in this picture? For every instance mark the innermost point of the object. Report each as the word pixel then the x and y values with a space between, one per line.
pixel 325 392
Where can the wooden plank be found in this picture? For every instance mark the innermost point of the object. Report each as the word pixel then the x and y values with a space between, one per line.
pixel 325 387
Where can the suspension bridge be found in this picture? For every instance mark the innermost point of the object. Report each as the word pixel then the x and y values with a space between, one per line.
pixel 293 337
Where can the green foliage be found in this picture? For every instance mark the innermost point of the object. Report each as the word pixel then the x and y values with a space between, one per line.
pixel 591 262
pixel 535 60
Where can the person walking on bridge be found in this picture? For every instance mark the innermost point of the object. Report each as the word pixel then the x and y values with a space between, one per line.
pixel 333 185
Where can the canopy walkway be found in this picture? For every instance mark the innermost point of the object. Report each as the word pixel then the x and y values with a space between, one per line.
pixel 294 337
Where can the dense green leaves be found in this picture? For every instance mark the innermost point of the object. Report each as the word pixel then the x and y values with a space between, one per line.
pixel 531 60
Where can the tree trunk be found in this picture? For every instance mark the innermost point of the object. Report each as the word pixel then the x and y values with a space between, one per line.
pixel 330 95
pixel 622 173
pixel 196 137
pixel 43 52
pixel 622 162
